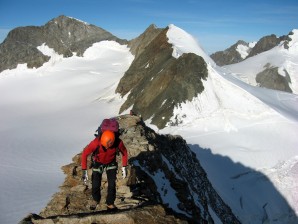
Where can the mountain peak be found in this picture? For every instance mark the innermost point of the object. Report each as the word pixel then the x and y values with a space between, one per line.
pixel 183 42
pixel 157 81
pixel 65 18
pixel 138 44
pixel 64 34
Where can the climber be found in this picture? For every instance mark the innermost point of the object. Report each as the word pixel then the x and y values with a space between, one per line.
pixel 106 145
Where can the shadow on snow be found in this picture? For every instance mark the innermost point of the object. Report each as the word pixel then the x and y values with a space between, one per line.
pixel 249 193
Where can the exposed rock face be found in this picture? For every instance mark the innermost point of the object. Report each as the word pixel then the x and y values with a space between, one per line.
pixel 138 45
pixel 157 82
pixel 142 197
pixel 228 56
pixel 65 35
pixel 271 79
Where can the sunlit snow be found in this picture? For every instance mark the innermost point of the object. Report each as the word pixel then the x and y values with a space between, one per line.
pixel 245 137
pixel 243 50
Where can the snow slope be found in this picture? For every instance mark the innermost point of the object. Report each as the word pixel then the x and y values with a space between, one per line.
pixel 47 116
pixel 245 137
pixel 284 59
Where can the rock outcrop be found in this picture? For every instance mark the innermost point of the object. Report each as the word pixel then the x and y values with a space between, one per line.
pixel 165 184
pixel 64 34
pixel 271 79
pixel 156 82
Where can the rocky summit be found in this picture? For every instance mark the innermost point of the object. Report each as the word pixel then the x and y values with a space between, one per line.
pixel 161 169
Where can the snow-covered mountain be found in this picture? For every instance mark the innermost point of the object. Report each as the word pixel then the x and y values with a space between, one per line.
pixel 267 63
pixel 245 137
pixel 275 68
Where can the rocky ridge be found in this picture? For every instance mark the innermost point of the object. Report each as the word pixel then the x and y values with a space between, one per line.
pixel 144 196
pixel 139 44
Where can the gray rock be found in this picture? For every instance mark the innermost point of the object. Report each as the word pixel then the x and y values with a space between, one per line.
pixel 271 79
pixel 138 45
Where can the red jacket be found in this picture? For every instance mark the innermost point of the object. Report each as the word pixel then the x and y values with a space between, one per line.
pixel 105 156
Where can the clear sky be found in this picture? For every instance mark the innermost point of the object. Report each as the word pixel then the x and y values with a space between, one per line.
pixel 216 24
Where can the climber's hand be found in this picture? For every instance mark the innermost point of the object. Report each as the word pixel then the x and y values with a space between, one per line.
pixel 124 172
pixel 85 176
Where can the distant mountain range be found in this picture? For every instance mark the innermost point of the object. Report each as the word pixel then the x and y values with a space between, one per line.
pixel 154 96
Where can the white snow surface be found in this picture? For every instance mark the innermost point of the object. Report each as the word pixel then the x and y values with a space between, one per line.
pixel 245 137
pixel 185 43
pixel 243 50
pixel 48 115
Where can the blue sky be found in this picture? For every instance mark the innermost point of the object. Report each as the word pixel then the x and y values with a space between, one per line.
pixel 216 24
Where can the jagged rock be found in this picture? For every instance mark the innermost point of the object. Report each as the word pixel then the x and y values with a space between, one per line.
pixel 158 82
pixel 140 197
pixel 64 34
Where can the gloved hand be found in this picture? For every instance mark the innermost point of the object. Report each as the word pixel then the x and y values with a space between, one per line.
pixel 85 176
pixel 124 172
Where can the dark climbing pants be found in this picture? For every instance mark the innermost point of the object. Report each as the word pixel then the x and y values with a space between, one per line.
pixel 96 186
